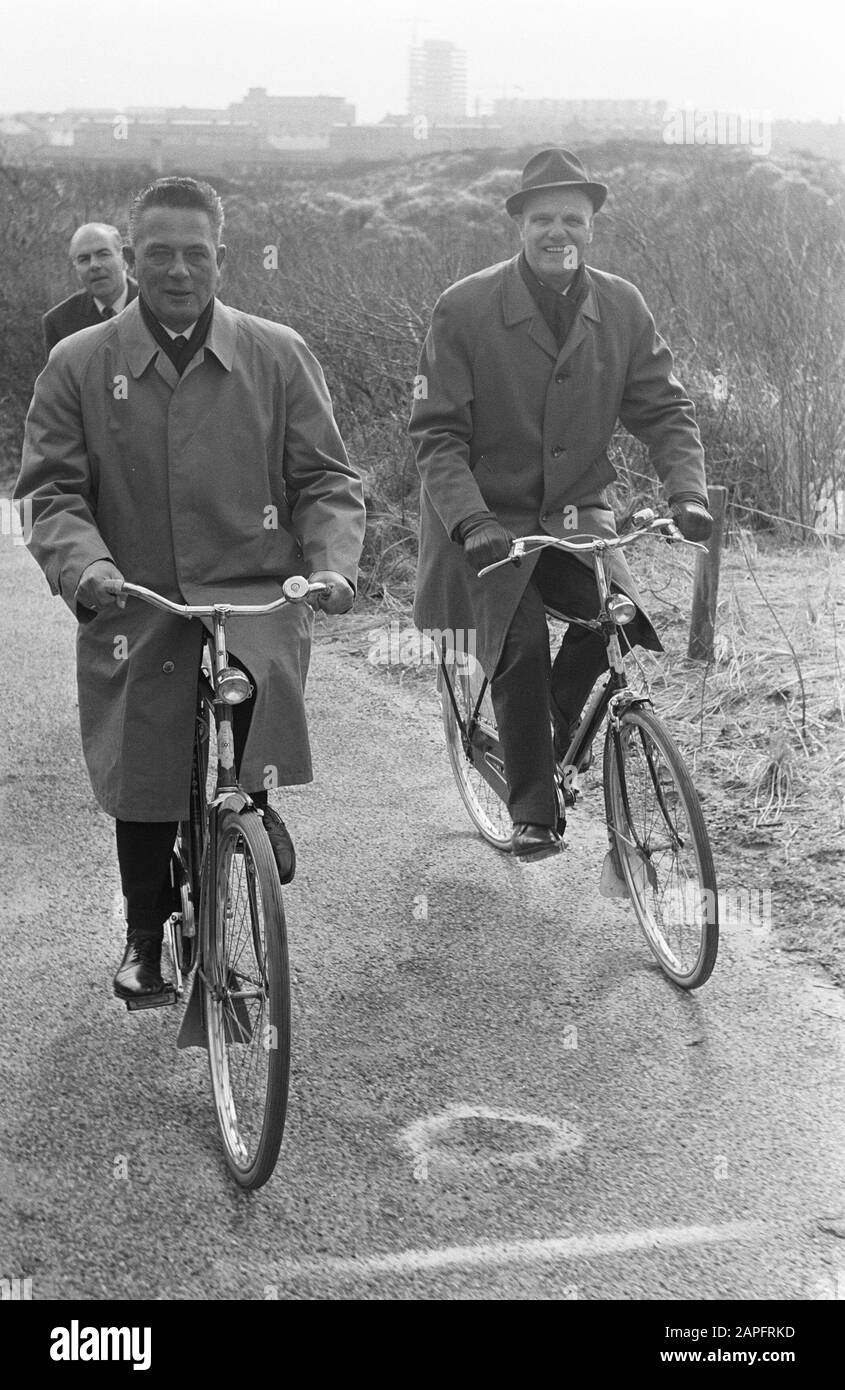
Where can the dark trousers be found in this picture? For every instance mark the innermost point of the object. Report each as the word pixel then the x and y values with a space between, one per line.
pixel 144 848
pixel 526 687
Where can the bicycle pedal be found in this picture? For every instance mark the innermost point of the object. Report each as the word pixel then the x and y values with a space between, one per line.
pixel 152 1001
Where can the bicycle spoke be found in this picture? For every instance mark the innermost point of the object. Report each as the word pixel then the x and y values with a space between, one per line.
pixel 661 842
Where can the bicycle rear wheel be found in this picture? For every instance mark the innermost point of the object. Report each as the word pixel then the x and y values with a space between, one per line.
pixel 660 839
pixel 247 998
pixel 479 770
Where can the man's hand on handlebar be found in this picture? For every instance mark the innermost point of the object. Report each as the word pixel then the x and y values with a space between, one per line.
pixel 485 543
pixel 100 586
pixel 337 598
pixel 691 518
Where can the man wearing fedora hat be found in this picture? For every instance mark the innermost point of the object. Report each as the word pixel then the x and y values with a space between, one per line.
pixel 527 366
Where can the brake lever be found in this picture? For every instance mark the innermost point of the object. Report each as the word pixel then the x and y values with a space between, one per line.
pixel 497 564
pixel 673 534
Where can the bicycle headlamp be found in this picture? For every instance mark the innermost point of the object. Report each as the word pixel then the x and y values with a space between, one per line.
pixel 621 608
pixel 233 686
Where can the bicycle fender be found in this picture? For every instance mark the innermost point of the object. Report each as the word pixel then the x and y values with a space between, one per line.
pixel 192 1029
pixel 232 801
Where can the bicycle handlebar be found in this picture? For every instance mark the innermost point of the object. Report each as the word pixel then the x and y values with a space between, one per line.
pixel 294 590
pixel 645 523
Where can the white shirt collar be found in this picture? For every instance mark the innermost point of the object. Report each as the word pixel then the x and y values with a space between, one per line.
pixel 119 303
pixel 183 332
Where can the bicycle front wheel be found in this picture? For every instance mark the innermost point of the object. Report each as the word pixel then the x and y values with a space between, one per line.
pixel 478 769
pixel 660 839
pixel 247 998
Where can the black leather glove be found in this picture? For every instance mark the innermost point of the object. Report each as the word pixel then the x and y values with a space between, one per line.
pixel 691 518
pixel 485 542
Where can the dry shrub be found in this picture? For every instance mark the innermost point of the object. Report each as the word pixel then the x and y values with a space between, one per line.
pixel 742 264
pixel 741 261
pixel 773 779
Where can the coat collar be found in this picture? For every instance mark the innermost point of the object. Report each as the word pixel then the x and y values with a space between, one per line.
pixel 140 346
pixel 519 305
pixel 85 296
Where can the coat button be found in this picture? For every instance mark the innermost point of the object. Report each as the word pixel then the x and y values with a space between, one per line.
pixel 557 451
pixel 168 667
pixel 561 377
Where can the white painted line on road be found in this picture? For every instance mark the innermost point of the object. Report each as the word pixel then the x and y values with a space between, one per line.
pixel 489 1254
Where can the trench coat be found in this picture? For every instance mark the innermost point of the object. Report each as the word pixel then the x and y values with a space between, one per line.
pixel 504 421
pixel 214 486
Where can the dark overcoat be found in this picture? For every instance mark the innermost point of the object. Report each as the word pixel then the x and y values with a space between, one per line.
pixel 214 486
pixel 76 312
pixel 503 421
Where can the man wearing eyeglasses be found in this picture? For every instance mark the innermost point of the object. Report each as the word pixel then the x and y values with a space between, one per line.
pixel 96 254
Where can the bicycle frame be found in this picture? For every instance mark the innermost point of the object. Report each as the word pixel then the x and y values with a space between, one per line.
pixel 614 687
pixel 615 693
pixel 203 826
pixel 227 788
pixel 658 847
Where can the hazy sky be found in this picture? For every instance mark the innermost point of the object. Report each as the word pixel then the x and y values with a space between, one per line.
pixel 774 56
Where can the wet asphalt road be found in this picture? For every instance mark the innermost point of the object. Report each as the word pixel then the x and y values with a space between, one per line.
pixel 495 1094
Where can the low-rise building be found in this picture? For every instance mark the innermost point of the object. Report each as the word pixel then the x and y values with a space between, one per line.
pixel 409 137
pixel 292 116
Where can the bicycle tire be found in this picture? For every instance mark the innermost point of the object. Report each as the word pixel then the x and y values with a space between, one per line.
pixel 246 982
pixel 659 837
pixel 487 810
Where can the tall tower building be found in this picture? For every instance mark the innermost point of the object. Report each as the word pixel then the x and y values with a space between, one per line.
pixel 438 82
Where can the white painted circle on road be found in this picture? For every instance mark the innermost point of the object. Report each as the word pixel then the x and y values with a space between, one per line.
pixel 476 1136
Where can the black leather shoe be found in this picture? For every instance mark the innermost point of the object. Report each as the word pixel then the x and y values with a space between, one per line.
pixel 139 972
pixel 534 841
pixel 282 844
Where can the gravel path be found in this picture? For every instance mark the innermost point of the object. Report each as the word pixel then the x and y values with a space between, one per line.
pixel 495 1094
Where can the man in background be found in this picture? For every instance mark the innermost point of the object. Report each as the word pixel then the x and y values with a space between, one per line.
pixel 96 253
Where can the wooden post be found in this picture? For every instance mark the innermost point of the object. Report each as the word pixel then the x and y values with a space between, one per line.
pixel 706 589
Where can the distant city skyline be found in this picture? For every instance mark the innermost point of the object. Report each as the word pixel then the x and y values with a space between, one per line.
pixel 727 55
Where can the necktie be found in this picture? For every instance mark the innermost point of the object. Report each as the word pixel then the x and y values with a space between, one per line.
pixel 107 312
pixel 180 352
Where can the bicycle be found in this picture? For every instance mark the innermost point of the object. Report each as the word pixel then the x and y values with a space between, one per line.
pixel 659 850
pixel 229 925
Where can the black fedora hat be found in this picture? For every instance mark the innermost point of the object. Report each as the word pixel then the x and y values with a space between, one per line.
pixel 555 169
